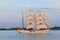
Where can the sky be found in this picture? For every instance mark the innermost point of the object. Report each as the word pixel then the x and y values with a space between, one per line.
pixel 10 11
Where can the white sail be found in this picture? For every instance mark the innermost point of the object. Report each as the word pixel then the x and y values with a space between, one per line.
pixel 40 21
pixel 36 21
pixel 29 19
pixel 46 22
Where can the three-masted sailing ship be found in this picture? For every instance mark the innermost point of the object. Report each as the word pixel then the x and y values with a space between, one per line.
pixel 35 23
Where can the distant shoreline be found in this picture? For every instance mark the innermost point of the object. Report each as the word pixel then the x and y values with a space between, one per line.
pixel 53 28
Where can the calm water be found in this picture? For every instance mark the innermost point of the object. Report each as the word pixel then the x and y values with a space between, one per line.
pixel 14 35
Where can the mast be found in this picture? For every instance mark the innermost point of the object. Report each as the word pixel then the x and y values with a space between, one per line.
pixel 35 22
pixel 22 20
pixel 29 19
pixel 40 21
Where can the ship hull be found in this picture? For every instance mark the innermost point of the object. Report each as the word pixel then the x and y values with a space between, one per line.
pixel 40 31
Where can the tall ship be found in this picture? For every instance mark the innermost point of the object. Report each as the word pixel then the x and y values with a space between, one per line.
pixel 35 23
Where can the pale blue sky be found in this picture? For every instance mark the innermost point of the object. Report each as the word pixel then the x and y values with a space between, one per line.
pixel 10 11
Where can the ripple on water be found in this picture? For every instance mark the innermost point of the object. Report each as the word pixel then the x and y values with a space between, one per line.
pixel 14 35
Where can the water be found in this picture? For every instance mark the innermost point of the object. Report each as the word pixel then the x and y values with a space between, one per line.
pixel 14 35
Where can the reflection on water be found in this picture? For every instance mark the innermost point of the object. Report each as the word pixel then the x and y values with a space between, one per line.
pixel 52 35
pixel 14 35
pixel 36 37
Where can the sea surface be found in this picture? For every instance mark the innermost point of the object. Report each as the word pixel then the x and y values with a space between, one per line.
pixel 14 35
